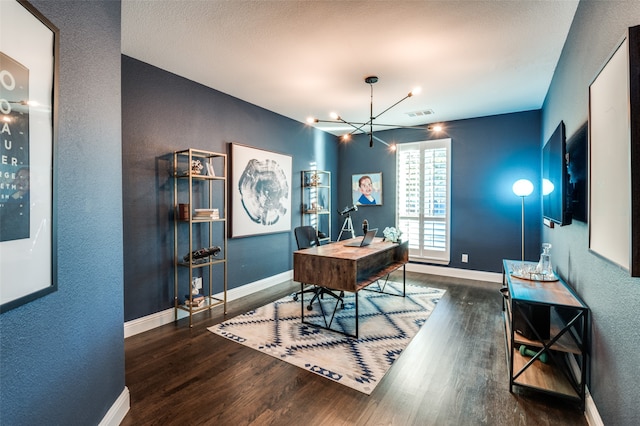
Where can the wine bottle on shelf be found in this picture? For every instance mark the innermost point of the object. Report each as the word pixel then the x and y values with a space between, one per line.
pixel 202 253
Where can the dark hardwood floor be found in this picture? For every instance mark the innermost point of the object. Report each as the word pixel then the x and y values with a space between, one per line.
pixel 454 372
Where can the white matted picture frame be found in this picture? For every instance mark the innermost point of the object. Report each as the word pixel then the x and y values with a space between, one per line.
pixel 260 191
pixel 29 55
pixel 614 157
pixel 366 189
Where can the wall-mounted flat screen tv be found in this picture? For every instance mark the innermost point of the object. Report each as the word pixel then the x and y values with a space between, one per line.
pixel 577 174
pixel 554 177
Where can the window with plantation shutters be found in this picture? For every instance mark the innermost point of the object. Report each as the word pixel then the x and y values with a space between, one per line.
pixel 423 202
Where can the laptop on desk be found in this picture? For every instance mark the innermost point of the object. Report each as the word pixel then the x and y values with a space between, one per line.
pixel 366 240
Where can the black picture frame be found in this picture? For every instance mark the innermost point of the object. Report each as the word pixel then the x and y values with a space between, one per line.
pixel 29 67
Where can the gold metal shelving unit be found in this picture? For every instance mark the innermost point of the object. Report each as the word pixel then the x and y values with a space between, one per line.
pixel 200 222
pixel 316 202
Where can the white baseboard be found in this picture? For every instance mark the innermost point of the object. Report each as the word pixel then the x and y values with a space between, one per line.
pixel 455 273
pixel 591 411
pixel 118 410
pixel 149 322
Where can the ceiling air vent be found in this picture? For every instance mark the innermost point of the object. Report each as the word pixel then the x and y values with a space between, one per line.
pixel 420 113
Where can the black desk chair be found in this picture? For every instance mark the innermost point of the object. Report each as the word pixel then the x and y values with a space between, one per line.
pixel 306 237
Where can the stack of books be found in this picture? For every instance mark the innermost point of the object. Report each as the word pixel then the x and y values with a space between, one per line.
pixel 206 214
pixel 196 300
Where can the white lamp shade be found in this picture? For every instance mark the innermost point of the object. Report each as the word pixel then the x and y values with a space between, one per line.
pixel 547 187
pixel 522 188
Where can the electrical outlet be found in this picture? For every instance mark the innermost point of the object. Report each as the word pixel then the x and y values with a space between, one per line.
pixel 465 258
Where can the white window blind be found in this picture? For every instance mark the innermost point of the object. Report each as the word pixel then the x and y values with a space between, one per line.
pixel 424 188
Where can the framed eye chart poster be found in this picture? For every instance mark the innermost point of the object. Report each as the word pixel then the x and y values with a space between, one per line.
pixel 28 114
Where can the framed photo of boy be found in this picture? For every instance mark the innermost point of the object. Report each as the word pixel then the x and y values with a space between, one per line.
pixel 366 189
pixel 29 58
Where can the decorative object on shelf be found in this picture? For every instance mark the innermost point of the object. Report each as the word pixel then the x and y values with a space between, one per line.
pixel 202 253
pixel 315 179
pixel 392 234
pixel 261 191
pixel 522 188
pixel 196 285
pixel 183 211
pixel 29 73
pixel 366 189
pixel 359 127
pixel 210 171
pixel 196 167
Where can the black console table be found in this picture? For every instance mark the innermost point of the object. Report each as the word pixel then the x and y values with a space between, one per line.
pixel 546 326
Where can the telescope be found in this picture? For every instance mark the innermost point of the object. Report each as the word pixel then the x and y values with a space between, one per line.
pixel 348 210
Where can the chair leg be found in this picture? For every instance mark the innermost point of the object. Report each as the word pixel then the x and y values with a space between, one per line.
pixel 311 289
pixel 332 294
pixel 318 294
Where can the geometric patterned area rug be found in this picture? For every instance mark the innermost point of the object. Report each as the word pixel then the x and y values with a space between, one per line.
pixel 387 324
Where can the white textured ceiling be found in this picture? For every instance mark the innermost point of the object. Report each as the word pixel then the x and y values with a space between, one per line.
pixel 308 58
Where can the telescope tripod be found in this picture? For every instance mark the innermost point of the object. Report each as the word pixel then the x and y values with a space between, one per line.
pixel 348 227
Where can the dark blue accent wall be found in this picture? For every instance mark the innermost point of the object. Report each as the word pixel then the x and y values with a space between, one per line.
pixel 162 113
pixel 62 356
pixel 487 156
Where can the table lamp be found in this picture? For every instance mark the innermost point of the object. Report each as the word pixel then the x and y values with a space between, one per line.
pixel 522 188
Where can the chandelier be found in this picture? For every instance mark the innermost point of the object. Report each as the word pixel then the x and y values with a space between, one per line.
pixel 368 126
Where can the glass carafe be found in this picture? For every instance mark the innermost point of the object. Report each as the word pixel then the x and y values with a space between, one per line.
pixel 544 265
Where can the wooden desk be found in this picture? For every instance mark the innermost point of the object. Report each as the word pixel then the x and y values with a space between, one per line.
pixel 338 267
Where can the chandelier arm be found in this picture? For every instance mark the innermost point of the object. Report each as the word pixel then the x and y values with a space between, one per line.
pixel 373 118
pixel 354 125
pixel 358 126
pixel 399 126
pixel 342 121
pixel 318 120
